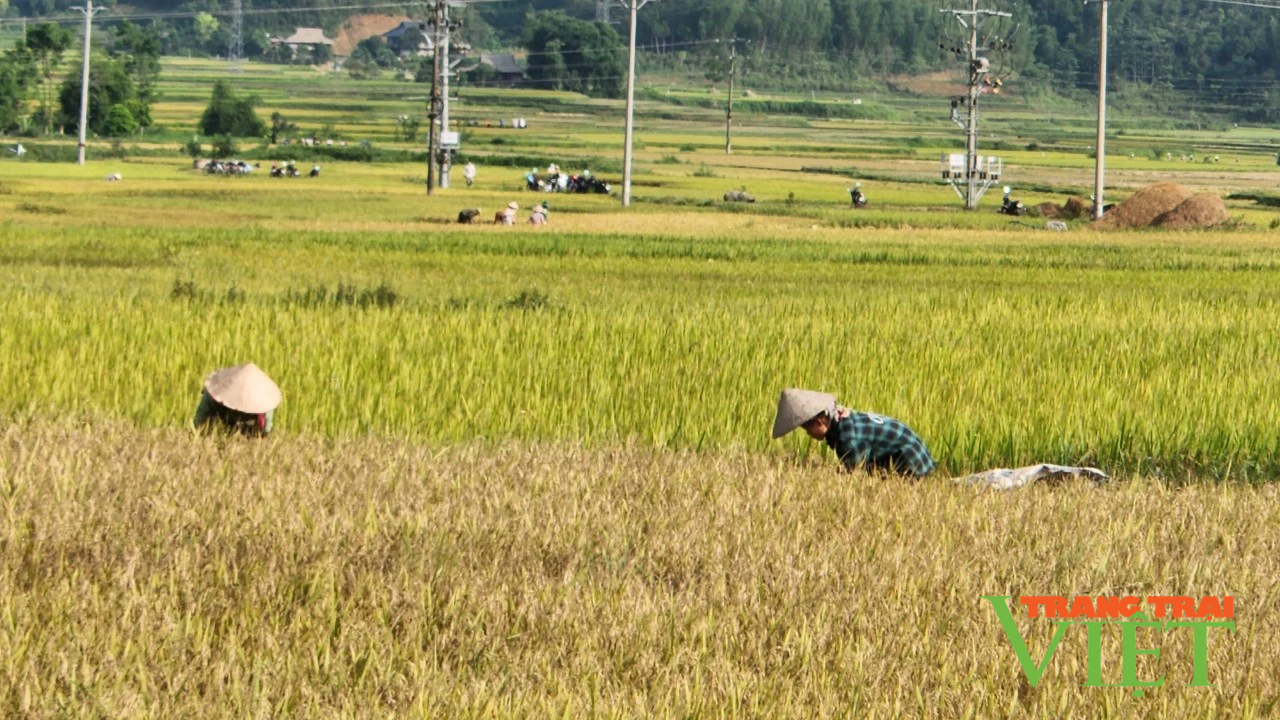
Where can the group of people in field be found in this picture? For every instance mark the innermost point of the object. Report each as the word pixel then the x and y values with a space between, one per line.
pixel 539 215
pixel 290 170
pixel 556 180
pixel 230 167
pixel 242 400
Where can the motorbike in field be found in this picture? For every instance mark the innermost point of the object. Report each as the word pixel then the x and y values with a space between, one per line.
pixel 1009 206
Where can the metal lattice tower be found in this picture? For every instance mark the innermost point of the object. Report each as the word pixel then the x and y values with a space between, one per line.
pixel 236 54
pixel 602 11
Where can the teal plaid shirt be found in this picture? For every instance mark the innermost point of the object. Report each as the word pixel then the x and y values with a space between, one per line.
pixel 875 442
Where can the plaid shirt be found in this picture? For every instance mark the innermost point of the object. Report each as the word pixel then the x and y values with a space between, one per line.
pixel 211 413
pixel 875 442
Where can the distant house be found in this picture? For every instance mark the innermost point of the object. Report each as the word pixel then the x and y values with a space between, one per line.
pixel 509 70
pixel 397 41
pixel 304 37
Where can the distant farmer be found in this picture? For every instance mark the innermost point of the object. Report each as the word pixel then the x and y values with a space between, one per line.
pixel 315 171
pixel 539 215
pixel 468 216
pixel 469 173
pixel 240 399
pixel 508 216
pixel 861 440
pixel 856 198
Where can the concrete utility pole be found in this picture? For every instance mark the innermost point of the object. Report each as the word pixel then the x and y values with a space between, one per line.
pixel 433 110
pixel 972 20
pixel 88 11
pixel 442 51
pixel 634 6
pixel 446 69
pixel 1100 161
pixel 728 111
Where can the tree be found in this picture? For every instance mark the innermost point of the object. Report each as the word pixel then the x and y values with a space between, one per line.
pixel 205 26
pixel 139 49
pixel 224 146
pixel 17 71
pixel 374 49
pixel 109 86
pixel 256 44
pixel 119 122
pixel 411 126
pixel 47 43
pixel 230 115
pixel 411 41
pixel 572 54
pixel 280 125
pixel 321 54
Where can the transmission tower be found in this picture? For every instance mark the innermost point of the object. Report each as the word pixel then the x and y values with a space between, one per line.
pixel 602 11
pixel 983 38
pixel 236 55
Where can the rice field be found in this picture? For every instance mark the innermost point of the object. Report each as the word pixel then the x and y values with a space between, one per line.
pixel 525 472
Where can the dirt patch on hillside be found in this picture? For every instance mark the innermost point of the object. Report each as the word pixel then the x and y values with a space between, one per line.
pixel 1144 207
pixel 943 83
pixel 360 27
pixel 1201 211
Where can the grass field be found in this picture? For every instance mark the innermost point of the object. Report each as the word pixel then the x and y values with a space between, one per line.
pixel 525 472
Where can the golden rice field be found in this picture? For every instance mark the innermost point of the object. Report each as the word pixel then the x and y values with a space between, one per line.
pixel 150 573
pixel 525 472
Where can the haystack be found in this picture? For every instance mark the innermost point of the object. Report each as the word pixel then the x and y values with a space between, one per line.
pixel 1201 211
pixel 1049 210
pixel 1074 208
pixel 1144 207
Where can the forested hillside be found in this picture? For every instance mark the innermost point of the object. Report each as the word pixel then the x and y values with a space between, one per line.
pixel 1222 56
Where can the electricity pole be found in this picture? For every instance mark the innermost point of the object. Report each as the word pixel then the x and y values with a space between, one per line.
pixel 433 111
pixel 634 6
pixel 602 11
pixel 728 111
pixel 446 69
pixel 442 52
pixel 972 21
pixel 1100 160
pixel 88 11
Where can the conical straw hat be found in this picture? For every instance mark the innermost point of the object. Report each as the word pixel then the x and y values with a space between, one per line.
pixel 243 388
pixel 797 407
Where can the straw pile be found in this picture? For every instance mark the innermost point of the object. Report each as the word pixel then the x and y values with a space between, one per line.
pixel 1049 210
pixel 1142 209
pixel 1201 211
pixel 1074 208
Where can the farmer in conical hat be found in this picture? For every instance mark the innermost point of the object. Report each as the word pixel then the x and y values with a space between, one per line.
pixel 238 399
pixel 861 440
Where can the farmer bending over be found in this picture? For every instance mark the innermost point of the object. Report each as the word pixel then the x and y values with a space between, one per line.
pixel 861 440
pixel 240 399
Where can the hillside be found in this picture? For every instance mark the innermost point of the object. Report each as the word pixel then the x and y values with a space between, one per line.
pixel 1197 56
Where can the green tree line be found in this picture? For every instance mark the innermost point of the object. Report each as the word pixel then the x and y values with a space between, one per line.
pixel 1223 57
